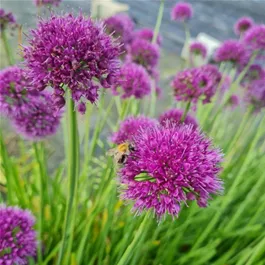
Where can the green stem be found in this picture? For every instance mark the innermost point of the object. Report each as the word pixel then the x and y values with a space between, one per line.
pixel 129 251
pixel 41 189
pixel 9 54
pixel 158 20
pixel 72 163
pixel 185 113
pixel 187 39
pixel 153 99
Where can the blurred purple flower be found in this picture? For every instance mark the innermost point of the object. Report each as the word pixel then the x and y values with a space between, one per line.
pixel 17 237
pixel 134 81
pixel 170 165
pixel 255 95
pixel 41 121
pixel 233 101
pixel 233 51
pixel 255 72
pixel 181 11
pixel 121 26
pixel 144 53
pixel 242 25
pixel 47 2
pixel 72 51
pixel 173 116
pixel 147 34
pixel 255 38
pixel 6 19
pixel 198 48
pixel 131 127
pixel 16 94
pixel 196 84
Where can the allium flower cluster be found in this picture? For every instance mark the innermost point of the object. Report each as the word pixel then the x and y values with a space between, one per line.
pixel 121 26
pixel 134 81
pixel 47 2
pixel 242 25
pixel 6 19
pixel 198 48
pixel 17 237
pixel 147 34
pixel 130 127
pixel 40 121
pixel 195 83
pixel 255 38
pixel 232 51
pixel 256 94
pixel 181 11
pixel 173 116
pixel 16 96
pixel 255 72
pixel 170 165
pixel 144 53
pixel 71 52
pixel 233 101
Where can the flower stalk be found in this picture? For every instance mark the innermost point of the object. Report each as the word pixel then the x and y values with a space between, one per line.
pixel 8 51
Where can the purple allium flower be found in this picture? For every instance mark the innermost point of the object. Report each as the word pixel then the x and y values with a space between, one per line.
pixel 41 121
pixel 194 84
pixel 17 237
pixel 255 37
pixel 198 48
pixel 147 34
pixel 47 2
pixel 173 116
pixel 134 81
pixel 170 165
pixel 242 25
pixel 256 94
pixel 121 26
pixel 181 11
pixel 233 51
pixel 233 101
pixel 255 72
pixel 6 19
pixel 130 127
pixel 72 51
pixel 144 53
pixel 16 96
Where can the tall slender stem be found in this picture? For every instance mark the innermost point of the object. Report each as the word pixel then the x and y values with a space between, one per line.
pixel 9 54
pixel 72 163
pixel 184 115
pixel 158 20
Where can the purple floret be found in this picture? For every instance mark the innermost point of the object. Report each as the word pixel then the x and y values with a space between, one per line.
pixel 72 52
pixel 17 238
pixel 133 81
pixel 131 127
pixel 147 34
pixel 170 165
pixel 242 25
pixel 181 11
pixel 198 48
pixel 47 2
pixel 6 19
pixel 255 38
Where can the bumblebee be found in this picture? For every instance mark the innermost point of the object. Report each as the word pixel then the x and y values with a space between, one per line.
pixel 121 152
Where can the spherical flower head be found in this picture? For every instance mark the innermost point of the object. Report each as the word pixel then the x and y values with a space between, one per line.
pixel 173 116
pixel 194 84
pixel 134 81
pixel 255 38
pixel 181 12
pixel 255 72
pixel 47 2
pixel 41 121
pixel 67 52
pixel 242 25
pixel 198 48
pixel 232 51
pixel 16 94
pixel 147 34
pixel 17 237
pixel 121 26
pixel 131 127
pixel 6 19
pixel 255 95
pixel 169 166
pixel 144 53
